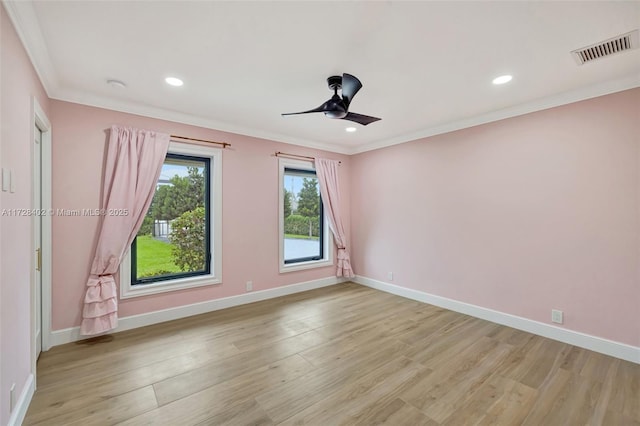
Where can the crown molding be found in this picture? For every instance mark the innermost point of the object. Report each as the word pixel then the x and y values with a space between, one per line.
pixel 25 21
pixel 584 93
pixel 88 99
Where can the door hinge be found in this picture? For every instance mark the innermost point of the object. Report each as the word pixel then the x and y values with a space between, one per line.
pixel 38 259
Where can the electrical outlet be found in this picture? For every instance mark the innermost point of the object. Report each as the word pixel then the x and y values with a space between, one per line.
pixel 557 316
pixel 12 397
pixel 249 286
pixel 390 276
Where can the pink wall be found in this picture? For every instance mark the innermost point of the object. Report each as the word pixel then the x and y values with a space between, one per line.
pixel 250 210
pixel 18 83
pixel 521 216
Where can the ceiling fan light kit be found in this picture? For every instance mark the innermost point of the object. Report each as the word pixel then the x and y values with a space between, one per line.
pixel 338 106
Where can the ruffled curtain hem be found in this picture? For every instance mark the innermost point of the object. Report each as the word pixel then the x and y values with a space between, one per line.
pixel 343 267
pixel 99 313
pixel 92 326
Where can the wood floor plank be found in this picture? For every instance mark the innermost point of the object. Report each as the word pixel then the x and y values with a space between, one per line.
pixel 625 392
pixel 351 343
pixel 88 391
pixel 135 359
pixel 445 343
pixel 282 402
pixel 496 396
pixel 450 385
pixel 118 348
pixel 461 389
pixel 246 413
pixel 613 417
pixel 216 400
pixel 510 336
pixel 548 396
pixel 370 317
pixel 534 361
pixel 511 406
pixel 107 411
pixel 394 413
pixel 210 374
pixel 382 396
pixel 596 367
pixel 577 401
pixel 335 407
pixel 543 362
pixel 437 321
pixel 601 405
pixel 339 355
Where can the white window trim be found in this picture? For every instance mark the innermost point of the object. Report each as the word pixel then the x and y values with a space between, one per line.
pixel 327 256
pixel 128 291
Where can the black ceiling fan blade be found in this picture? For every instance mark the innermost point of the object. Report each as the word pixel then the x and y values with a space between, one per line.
pixel 321 108
pixel 359 118
pixel 350 86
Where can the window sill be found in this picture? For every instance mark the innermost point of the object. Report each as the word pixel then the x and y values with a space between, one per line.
pixel 128 291
pixel 305 265
pixel 166 286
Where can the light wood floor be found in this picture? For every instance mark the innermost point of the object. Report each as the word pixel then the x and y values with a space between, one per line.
pixel 339 355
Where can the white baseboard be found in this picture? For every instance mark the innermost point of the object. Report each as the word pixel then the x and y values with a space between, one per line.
pixel 22 404
pixel 68 335
pixel 596 344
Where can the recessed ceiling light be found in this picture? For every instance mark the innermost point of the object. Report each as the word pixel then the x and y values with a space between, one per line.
pixel 116 83
pixel 174 81
pixel 502 79
pixel 350 129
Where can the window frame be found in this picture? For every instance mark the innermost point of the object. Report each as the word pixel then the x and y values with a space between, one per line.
pixel 189 280
pixel 207 224
pixel 326 241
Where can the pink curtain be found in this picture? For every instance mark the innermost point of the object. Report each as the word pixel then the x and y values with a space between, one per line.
pixel 327 172
pixel 134 162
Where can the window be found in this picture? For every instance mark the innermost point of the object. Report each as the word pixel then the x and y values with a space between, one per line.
pixel 174 240
pixel 304 236
pixel 178 244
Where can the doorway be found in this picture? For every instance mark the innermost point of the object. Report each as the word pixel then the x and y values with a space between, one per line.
pixel 41 234
pixel 37 236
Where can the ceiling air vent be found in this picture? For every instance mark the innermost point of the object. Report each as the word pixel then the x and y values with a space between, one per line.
pixel 609 47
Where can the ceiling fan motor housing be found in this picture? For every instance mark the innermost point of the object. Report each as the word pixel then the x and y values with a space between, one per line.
pixel 335 107
pixel 335 82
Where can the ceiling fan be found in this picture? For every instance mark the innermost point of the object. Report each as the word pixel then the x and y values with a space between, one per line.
pixel 338 106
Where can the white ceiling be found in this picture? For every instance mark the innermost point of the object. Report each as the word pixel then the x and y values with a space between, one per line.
pixel 426 67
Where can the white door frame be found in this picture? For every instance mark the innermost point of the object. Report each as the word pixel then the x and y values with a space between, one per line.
pixel 37 234
pixel 41 121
